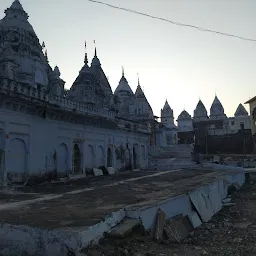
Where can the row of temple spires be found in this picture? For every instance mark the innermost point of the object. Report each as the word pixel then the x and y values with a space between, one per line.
pixel 200 112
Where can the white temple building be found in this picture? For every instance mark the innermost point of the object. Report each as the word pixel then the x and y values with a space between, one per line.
pixel 217 121
pixel 46 129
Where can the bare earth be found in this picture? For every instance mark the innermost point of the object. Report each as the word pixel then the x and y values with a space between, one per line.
pixel 231 232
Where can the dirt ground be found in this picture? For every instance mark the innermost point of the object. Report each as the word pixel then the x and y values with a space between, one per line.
pixel 231 232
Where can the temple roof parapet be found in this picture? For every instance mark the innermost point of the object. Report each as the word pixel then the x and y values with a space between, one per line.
pixel 69 105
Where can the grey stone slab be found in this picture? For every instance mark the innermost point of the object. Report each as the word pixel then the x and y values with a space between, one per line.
pixel 111 170
pixel 97 172
pixel 200 199
pixel 215 197
pixel 178 229
pixel 124 228
pixel 195 220
pixel 159 225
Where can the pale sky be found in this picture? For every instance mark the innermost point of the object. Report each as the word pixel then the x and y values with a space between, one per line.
pixel 177 63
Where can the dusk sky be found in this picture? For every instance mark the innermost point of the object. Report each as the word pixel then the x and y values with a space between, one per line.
pixel 175 63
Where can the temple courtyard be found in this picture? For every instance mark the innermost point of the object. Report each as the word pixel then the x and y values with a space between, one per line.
pixel 79 212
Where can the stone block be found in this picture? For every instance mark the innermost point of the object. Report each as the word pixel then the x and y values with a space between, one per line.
pixel 200 199
pixel 124 228
pixel 215 197
pixel 195 220
pixel 159 226
pixel 178 229
pixel 111 170
pixel 97 172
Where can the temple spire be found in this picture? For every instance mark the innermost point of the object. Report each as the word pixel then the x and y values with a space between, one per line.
pixel 85 57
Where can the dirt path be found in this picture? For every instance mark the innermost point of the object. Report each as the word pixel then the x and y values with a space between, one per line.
pixel 231 232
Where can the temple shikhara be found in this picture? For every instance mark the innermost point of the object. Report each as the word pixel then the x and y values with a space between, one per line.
pixel 47 129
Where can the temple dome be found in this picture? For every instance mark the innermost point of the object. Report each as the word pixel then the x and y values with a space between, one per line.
pixel 139 93
pixel 16 17
pixel 184 115
pixel 167 110
pixel 123 86
pixel 241 111
pixel 200 110
pixel 217 108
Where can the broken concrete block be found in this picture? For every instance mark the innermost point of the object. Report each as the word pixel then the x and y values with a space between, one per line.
pixel 97 172
pixel 194 219
pixel 124 228
pixel 111 170
pixel 215 197
pixel 200 199
pixel 159 226
pixel 178 229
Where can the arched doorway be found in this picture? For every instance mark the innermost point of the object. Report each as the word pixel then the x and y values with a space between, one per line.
pixel 89 157
pixel 100 156
pixel 76 159
pixel 62 158
pixel 134 158
pixel 17 156
pixel 143 156
pixel 109 158
pixel 127 159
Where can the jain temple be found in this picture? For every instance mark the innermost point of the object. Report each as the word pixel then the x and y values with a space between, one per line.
pixel 47 129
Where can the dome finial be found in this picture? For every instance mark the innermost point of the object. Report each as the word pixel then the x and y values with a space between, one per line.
pixel 46 55
pixel 138 79
pixel 95 51
pixel 122 71
pixel 85 57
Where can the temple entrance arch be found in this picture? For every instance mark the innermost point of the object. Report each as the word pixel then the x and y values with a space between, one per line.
pixel 62 158
pixel 100 156
pixel 127 159
pixel 136 156
pixel 17 156
pixel 109 158
pixel 76 159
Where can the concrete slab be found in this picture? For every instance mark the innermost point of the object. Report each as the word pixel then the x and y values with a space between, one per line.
pixel 200 199
pixel 159 226
pixel 97 172
pixel 85 209
pixel 194 219
pixel 124 228
pixel 111 170
pixel 215 197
